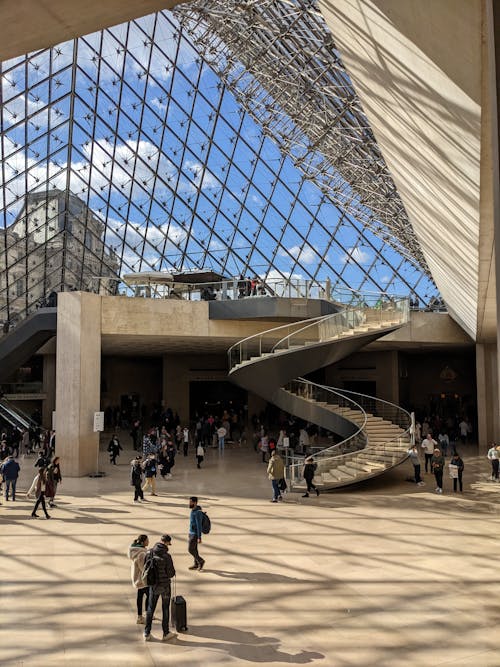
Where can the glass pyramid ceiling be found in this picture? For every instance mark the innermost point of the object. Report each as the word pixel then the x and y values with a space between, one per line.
pixel 126 151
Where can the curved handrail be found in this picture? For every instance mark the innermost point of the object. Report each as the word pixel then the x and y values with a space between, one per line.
pixel 261 334
pixel 237 353
pixel 353 313
pixel 328 460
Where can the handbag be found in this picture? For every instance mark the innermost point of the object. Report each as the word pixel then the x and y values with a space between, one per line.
pixel 282 485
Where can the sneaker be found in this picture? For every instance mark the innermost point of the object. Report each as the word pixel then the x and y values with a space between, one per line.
pixel 136 500
pixel 154 494
pixel 193 567
pixel 140 620
pixel 421 484
pixel 34 516
pixel 280 498
pixel 47 516
pixel 274 500
pixel 317 492
pixel 305 495
pixel 169 474
pixel 169 636
pixel 147 638
pixel 440 491
pixel 201 565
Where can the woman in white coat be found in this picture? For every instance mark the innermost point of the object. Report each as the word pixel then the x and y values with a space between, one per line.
pixel 137 553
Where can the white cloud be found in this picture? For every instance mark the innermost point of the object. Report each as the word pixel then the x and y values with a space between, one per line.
pixel 305 255
pixel 356 255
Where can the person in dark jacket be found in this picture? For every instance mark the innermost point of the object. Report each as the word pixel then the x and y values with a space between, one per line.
pixel 195 523
pixel 166 571
pixel 437 465
pixel 114 449
pixel 10 471
pixel 136 478
pixel 54 478
pixel 457 461
pixel 308 474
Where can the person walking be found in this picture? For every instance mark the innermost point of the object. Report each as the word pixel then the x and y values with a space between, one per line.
pixel 428 445
pixel 264 447
pixel 114 449
pixel 437 465
pixel 165 572
pixel 137 553
pixel 185 440
pixel 10 472
pixel 494 459
pixel 194 537
pixel 415 459
pixel 200 455
pixel 456 471
pixel 41 481
pixel 276 472
pixel 308 475
pixel 150 469
pixel 136 478
pixel 221 434
pixel 54 478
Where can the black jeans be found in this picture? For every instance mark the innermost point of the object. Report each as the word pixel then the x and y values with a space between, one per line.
pixel 417 473
pixel 40 501
pixel 310 485
pixel 459 480
pixel 193 550
pixel 165 605
pixel 138 493
pixel 428 458
pixel 141 594
pixel 495 463
pixel 438 474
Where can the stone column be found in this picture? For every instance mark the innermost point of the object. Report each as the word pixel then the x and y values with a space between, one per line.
pixel 49 388
pixel 176 385
pixel 78 366
pixel 487 395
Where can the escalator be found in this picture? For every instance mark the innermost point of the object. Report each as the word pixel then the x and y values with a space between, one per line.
pixel 25 340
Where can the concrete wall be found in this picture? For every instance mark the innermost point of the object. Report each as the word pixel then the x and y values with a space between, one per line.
pixel 126 375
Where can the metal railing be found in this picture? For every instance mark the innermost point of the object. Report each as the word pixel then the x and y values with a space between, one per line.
pixel 393 450
pixel 319 329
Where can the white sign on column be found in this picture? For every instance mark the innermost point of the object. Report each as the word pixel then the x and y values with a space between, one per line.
pixel 98 421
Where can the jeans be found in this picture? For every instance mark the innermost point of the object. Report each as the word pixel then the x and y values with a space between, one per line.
pixel 417 473
pixel 438 474
pixel 141 593
pixel 494 468
pixel 10 483
pixel 138 491
pixel 310 485
pixel 428 458
pixel 40 501
pixel 193 550
pixel 276 489
pixel 221 444
pixel 459 480
pixel 165 604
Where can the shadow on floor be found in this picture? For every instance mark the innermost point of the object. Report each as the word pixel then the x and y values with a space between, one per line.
pixel 245 645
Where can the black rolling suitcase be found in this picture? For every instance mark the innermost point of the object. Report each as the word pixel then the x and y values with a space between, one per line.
pixel 179 612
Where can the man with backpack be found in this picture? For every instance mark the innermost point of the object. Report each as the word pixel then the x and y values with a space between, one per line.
pixel 196 520
pixel 158 571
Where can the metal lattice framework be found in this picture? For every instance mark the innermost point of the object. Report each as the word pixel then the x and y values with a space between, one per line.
pixel 280 60
pixel 125 151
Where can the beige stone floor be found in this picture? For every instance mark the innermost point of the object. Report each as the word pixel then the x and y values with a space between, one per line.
pixel 385 574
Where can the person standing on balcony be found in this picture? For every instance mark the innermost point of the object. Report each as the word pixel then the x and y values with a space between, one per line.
pixel 276 472
pixel 428 445
pixel 308 475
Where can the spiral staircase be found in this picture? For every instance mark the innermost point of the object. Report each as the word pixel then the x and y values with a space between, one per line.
pixel 374 434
